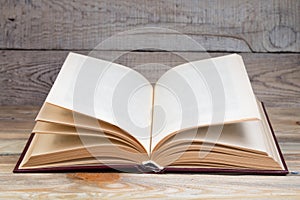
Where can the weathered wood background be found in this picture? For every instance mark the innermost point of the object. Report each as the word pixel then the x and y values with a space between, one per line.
pixel 36 36
pixel 247 26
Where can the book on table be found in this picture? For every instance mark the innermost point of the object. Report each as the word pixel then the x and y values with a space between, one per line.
pixel 200 116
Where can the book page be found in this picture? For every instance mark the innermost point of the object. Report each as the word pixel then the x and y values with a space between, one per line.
pixel 106 91
pixel 202 93
pixel 59 148
pixel 245 135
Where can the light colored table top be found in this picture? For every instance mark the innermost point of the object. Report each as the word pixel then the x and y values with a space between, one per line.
pixel 17 122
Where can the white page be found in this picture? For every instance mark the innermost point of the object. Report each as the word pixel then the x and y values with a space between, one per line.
pixel 106 91
pixel 201 93
pixel 248 134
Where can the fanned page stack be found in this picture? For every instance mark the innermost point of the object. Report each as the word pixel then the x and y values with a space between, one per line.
pixel 200 116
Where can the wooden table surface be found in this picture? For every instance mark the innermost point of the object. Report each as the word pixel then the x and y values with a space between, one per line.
pixel 17 121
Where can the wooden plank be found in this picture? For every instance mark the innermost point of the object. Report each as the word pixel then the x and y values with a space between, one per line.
pixel 13 146
pixel 138 186
pixel 28 79
pixel 242 26
pixel 14 132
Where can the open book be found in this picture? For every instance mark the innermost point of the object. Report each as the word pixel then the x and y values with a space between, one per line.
pixel 200 116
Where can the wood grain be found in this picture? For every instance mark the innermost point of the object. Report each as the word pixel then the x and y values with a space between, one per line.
pixel 146 186
pixel 27 76
pixel 17 122
pixel 137 186
pixel 242 26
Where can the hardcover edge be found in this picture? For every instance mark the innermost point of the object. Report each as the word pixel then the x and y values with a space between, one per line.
pixel 141 169
pixel 286 171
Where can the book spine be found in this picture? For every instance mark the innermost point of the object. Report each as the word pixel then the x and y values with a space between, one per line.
pixel 150 167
